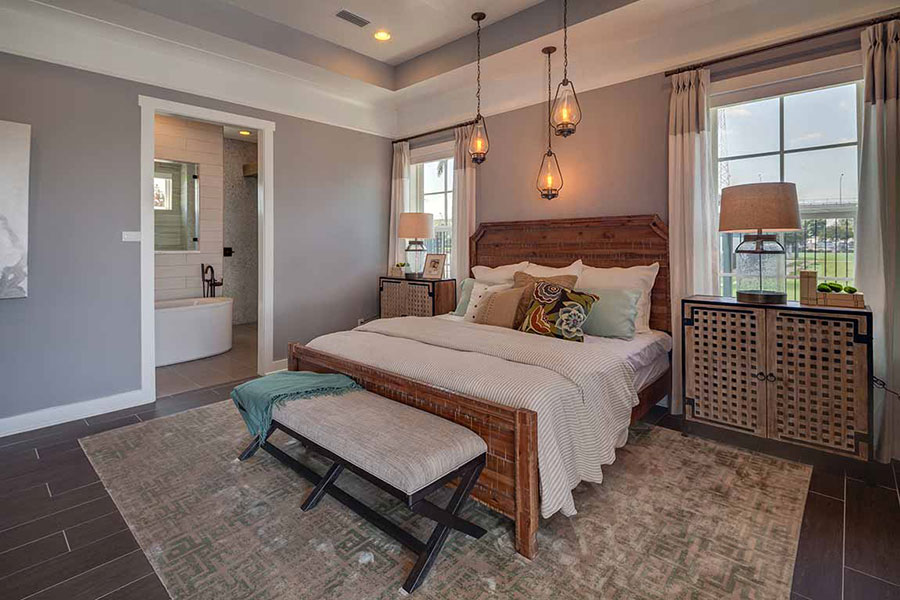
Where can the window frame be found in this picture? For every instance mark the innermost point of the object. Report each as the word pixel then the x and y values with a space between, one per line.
pixel 726 240
pixel 418 157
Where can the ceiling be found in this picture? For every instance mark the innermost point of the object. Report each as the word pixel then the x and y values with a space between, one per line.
pixel 217 49
pixel 416 26
pixel 233 133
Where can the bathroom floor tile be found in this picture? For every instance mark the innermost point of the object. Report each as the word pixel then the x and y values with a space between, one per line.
pixel 237 363
pixel 169 381
pixel 202 372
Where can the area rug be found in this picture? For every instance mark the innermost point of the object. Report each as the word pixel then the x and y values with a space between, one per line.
pixel 675 517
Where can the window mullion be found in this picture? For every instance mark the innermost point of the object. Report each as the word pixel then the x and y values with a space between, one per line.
pixel 781 137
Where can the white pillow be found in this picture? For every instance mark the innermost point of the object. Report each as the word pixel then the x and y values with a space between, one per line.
pixel 619 278
pixel 480 293
pixel 542 271
pixel 498 275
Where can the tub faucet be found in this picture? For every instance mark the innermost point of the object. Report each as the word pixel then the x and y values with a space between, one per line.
pixel 208 274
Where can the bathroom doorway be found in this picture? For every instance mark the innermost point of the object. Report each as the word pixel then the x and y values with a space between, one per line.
pixel 206 210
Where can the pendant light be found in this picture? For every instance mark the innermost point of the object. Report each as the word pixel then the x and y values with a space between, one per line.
pixel 549 180
pixel 566 111
pixel 478 138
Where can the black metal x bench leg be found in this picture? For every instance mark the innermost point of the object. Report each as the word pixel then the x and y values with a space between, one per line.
pixel 250 450
pixel 439 535
pixel 447 518
pixel 322 487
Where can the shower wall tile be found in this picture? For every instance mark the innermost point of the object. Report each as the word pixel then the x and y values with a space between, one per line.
pixel 242 268
pixel 178 273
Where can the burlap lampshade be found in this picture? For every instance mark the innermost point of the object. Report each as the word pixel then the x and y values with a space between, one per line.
pixel 416 226
pixel 759 207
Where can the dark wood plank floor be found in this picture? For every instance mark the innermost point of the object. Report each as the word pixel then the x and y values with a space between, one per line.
pixel 61 536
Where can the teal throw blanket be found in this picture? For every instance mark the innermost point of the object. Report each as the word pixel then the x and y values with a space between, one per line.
pixel 256 399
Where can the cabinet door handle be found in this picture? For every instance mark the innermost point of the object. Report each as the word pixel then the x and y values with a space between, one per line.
pixel 770 377
pixel 760 376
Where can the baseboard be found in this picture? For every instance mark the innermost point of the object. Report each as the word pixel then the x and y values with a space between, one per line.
pixel 71 412
pixel 277 365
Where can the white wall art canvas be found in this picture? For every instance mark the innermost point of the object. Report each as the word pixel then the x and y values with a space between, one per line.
pixel 15 160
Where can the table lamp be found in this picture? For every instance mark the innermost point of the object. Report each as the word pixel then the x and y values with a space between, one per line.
pixel 416 227
pixel 752 209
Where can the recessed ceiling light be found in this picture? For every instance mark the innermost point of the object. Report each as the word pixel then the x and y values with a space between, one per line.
pixel 382 36
pixel 244 132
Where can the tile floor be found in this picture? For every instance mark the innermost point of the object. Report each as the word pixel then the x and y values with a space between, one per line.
pixel 237 363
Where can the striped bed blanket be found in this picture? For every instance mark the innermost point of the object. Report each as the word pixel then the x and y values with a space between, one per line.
pixel 582 393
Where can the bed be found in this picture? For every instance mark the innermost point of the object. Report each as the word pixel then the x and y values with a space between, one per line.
pixel 491 381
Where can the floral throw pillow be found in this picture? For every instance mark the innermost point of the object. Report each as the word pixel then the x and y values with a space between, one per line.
pixel 558 312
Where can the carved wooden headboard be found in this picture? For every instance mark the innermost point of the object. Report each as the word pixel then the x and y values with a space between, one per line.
pixel 598 241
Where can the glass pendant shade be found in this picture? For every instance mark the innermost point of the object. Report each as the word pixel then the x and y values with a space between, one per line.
pixel 566 113
pixel 549 180
pixel 478 141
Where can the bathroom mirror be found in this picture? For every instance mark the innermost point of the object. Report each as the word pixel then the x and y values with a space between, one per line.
pixel 176 205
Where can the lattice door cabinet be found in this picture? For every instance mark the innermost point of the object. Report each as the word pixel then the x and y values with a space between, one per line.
pixel 786 372
pixel 401 297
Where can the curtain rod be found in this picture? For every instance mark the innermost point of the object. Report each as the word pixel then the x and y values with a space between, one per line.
pixel 805 38
pixel 442 129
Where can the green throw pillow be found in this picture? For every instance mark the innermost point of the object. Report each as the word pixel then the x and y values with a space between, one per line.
pixel 613 314
pixel 465 294
pixel 558 312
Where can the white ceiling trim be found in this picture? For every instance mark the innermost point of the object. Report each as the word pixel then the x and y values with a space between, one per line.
pixel 642 38
pixel 48 33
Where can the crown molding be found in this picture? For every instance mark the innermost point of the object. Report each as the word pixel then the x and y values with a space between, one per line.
pixel 49 33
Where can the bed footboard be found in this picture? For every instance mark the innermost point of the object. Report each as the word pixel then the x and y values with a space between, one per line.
pixel 509 481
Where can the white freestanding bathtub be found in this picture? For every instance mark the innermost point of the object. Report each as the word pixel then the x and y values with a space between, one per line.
pixel 192 328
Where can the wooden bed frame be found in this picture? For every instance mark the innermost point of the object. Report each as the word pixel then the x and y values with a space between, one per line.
pixel 509 483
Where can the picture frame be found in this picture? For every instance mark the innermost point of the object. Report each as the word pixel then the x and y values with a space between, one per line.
pixel 434 266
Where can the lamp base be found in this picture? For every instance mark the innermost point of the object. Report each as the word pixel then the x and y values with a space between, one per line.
pixel 761 297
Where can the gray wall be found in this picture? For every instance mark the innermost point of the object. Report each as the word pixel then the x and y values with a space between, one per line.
pixel 615 164
pixel 77 337
pixel 241 270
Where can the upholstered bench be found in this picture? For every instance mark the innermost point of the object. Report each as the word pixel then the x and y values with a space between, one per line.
pixel 407 452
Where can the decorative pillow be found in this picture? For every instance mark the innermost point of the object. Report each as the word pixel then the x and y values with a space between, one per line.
pixel 499 308
pixel 542 271
pixel 640 278
pixel 613 314
pixel 480 293
pixel 465 294
pixel 496 275
pixel 558 312
pixel 527 281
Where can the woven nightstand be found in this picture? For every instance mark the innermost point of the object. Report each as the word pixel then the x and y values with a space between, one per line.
pixel 786 372
pixel 401 297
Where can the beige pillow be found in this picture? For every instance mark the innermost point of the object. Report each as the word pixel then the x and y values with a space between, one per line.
pixel 542 271
pixel 480 293
pixel 499 309
pixel 527 281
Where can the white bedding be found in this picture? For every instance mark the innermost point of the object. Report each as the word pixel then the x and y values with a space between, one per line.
pixel 647 353
pixel 583 393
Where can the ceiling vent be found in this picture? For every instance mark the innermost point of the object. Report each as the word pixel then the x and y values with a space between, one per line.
pixel 351 18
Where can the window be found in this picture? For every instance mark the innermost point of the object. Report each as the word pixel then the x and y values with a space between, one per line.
pixel 431 185
pixel 162 192
pixel 808 138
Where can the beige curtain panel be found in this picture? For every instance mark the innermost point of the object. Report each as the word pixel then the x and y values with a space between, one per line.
pixel 878 221
pixel 463 203
pixel 693 234
pixel 399 200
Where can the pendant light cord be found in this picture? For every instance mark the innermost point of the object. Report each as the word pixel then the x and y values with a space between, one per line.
pixel 565 78
pixel 549 107
pixel 478 76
